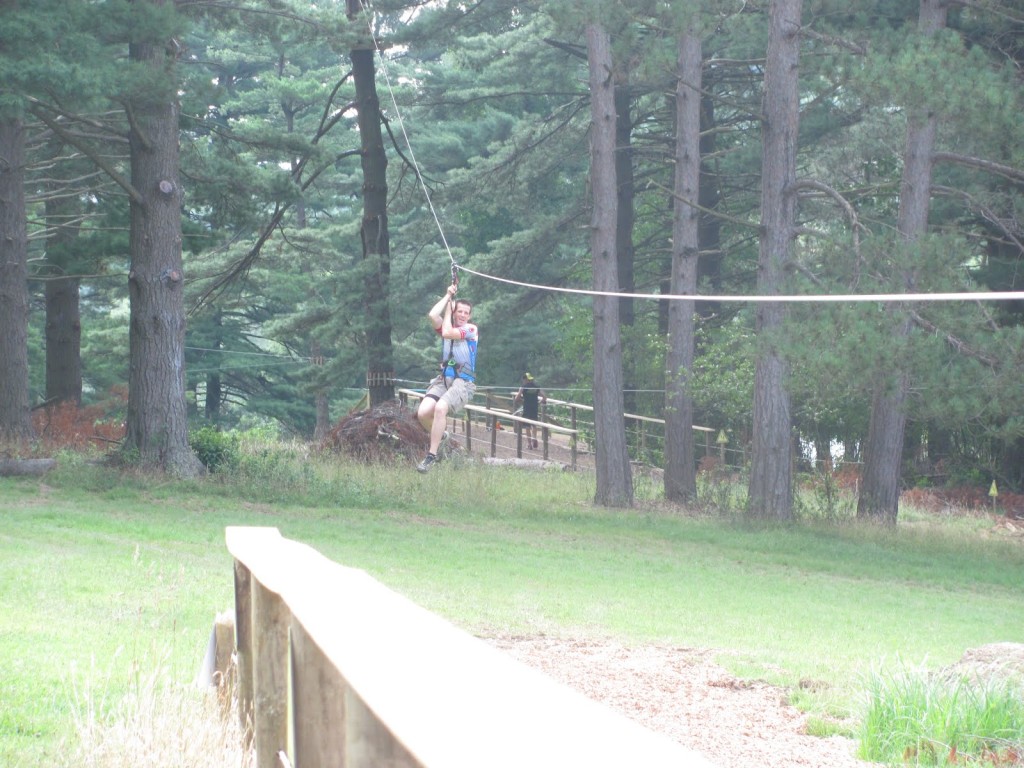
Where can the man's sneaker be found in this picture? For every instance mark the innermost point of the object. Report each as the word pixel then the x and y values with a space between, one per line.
pixel 427 463
pixel 444 447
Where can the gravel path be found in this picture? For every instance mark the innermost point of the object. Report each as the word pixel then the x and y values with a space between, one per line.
pixel 683 694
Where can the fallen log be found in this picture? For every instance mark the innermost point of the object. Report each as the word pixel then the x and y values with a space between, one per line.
pixel 26 467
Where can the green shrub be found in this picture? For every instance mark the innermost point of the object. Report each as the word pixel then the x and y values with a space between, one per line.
pixel 217 450
pixel 916 718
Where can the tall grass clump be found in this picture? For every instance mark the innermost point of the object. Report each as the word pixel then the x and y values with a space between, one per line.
pixel 263 468
pixel 822 498
pixel 158 723
pixel 913 717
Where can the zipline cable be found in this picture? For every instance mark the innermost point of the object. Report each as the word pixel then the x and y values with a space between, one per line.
pixel 805 298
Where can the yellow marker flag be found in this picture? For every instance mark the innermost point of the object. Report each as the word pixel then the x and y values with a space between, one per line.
pixel 993 491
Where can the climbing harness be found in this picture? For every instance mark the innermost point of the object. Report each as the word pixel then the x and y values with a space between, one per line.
pixel 450 368
pixel 449 363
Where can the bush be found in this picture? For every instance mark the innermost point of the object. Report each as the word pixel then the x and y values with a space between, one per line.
pixel 217 450
pixel 69 425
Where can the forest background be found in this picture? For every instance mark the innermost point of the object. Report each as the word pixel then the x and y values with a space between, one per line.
pixel 230 214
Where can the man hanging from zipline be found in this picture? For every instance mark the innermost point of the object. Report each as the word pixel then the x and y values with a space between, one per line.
pixel 455 385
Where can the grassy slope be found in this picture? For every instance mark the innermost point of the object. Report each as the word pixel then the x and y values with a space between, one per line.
pixel 101 577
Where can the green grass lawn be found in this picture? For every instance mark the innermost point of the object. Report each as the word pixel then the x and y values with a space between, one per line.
pixel 105 577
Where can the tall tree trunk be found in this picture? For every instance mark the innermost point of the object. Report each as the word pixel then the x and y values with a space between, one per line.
pixel 157 419
pixel 625 193
pixel 15 415
pixel 214 384
pixel 880 483
pixel 709 267
pixel 625 216
pixel 1011 464
pixel 680 458
pixel 323 409
pixel 63 341
pixel 214 396
pixel 380 376
pixel 614 477
pixel 771 472
pixel 63 316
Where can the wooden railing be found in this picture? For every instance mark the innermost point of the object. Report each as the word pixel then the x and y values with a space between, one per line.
pixel 336 670
pixel 491 417
pixel 640 422
pixel 498 410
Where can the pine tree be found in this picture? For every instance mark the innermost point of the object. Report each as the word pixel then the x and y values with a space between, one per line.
pixel 15 418
pixel 157 421
pixel 680 455
pixel 771 474
pixel 614 477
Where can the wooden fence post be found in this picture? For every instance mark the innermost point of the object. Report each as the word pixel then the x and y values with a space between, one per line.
pixel 318 706
pixel 572 440
pixel 270 620
pixel 243 648
pixel 368 743
pixel 370 680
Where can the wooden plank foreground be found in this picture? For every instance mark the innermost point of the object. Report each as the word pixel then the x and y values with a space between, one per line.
pixel 368 678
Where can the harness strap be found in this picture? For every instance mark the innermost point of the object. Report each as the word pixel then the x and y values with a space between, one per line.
pixel 448 361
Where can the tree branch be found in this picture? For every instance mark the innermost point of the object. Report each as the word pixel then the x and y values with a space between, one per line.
pixel 986 213
pixel 244 264
pixel 1006 171
pixel 710 211
pixel 958 345
pixel 997 9
pixel 86 150
pixel 839 42
pixel 573 49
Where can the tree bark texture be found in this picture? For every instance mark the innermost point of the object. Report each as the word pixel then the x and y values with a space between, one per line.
pixel 15 414
pixel 63 316
pixel 322 427
pixel 709 268
pixel 680 455
pixel 376 246
pixel 625 214
pixel 157 420
pixel 880 484
pixel 771 472
pixel 614 477
pixel 625 193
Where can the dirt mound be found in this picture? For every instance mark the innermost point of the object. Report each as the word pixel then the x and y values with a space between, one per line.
pixel 381 434
pixel 994 663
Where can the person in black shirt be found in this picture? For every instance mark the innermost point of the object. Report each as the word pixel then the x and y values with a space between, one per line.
pixel 531 395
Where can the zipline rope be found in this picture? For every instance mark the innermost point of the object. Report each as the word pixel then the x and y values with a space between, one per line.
pixel 798 298
pixel 805 298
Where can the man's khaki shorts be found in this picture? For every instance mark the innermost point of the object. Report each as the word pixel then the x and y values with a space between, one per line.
pixel 457 393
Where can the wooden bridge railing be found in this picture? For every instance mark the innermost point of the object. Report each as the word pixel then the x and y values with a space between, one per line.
pixel 491 417
pixel 335 670
pixel 497 409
